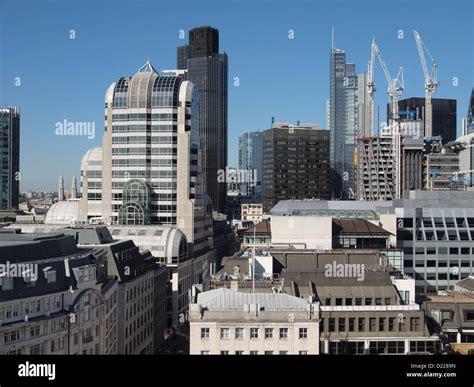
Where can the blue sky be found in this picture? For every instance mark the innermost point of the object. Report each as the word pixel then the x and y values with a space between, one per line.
pixel 63 78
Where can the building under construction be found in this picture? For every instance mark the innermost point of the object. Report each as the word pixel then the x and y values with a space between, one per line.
pixel 377 161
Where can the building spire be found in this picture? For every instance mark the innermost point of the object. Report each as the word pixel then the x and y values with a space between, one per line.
pixel 61 189
pixel 73 187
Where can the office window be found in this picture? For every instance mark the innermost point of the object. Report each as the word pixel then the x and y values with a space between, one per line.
pixel 268 352
pixel 378 301
pixel 469 315
pixel 358 301
pixel 239 352
pixel 332 324
pixel 254 333
pixel 446 315
pixel 239 333
pixel 391 324
pixel 283 352
pixel 269 333
pixel 351 324
pixel 225 333
pixel 328 302
pixel 303 333
pixel 338 301
pixel 414 323
pixel 368 301
pixel 361 324
pixel 204 333
pixel 254 352
pixel 372 324
pixel 349 301
pixel 283 333
pixel 342 324
pixel 224 352
pixel 381 324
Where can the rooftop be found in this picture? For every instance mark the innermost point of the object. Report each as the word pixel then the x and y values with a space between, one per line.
pixel 231 300
pixel 356 226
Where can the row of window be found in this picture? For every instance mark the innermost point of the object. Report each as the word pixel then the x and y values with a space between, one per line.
pixel 239 333
pixel 380 324
pixel 29 307
pixel 358 301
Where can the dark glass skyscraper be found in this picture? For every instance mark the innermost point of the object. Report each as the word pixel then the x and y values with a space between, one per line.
pixel 207 69
pixel 342 124
pixel 444 115
pixel 10 158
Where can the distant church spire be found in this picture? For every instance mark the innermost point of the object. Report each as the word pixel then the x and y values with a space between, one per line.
pixel 61 189
pixel 73 187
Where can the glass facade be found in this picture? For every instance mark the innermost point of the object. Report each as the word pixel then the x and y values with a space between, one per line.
pixel 10 158
pixel 250 159
pixel 438 247
pixel 207 69
pixel 342 125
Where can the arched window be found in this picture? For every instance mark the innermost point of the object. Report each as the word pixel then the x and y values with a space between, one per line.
pixel 136 203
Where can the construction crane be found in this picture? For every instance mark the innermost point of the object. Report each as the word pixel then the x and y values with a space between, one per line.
pixel 431 82
pixel 395 91
pixel 395 85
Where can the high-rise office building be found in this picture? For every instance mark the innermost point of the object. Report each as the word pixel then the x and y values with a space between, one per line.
pixel 342 124
pixel 444 115
pixel 207 69
pixel 250 161
pixel 295 163
pixel 10 158
pixel 151 156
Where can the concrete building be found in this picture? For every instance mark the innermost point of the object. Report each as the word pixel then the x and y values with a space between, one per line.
pixel 464 147
pixel 451 316
pixel 252 212
pixel 441 171
pixel 295 163
pixel 434 230
pixel 342 124
pixel 250 159
pixel 375 169
pixel 227 322
pixel 207 69
pixel 364 128
pixel 10 158
pixel 372 311
pixel 151 156
pixel 55 298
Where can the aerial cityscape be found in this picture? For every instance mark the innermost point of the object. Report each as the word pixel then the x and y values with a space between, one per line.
pixel 257 188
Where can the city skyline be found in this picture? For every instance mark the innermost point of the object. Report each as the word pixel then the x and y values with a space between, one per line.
pixel 296 43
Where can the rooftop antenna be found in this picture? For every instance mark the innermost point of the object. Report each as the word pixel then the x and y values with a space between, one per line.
pixel 332 37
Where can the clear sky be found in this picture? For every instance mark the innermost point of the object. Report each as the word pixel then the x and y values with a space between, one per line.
pixel 66 79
